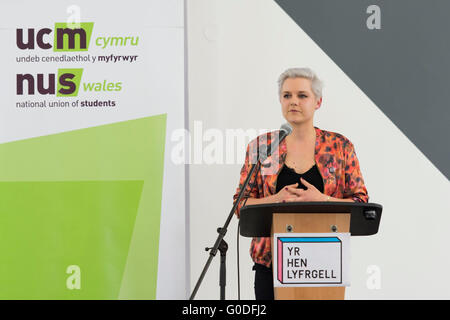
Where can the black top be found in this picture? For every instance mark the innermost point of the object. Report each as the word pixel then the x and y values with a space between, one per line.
pixel 288 176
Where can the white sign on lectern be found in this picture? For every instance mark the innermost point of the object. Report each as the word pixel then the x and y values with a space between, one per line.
pixel 311 259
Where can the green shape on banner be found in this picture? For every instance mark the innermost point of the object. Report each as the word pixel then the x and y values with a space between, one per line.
pixel 89 198
pixel 47 227
pixel 72 38
pixel 68 82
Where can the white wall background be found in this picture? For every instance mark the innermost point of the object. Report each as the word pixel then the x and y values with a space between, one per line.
pixel 236 51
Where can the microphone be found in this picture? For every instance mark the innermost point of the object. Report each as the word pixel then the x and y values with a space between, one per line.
pixel 285 130
pixel 286 127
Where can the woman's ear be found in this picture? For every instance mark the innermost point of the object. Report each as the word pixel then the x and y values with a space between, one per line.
pixel 319 103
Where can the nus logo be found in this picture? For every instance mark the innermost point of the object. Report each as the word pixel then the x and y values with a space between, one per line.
pixel 66 37
pixel 67 85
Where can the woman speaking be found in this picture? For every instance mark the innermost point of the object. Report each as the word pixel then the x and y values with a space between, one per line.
pixel 310 165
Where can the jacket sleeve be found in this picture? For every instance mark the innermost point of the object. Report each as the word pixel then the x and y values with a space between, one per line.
pixel 354 182
pixel 256 191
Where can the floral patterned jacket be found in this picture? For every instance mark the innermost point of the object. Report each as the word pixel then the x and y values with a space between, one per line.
pixel 337 163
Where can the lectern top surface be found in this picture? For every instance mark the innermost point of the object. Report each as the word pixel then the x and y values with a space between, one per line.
pixel 256 220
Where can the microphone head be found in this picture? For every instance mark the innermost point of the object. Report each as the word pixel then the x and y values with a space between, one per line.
pixel 287 128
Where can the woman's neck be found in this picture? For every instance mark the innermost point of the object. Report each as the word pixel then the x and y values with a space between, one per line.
pixel 302 133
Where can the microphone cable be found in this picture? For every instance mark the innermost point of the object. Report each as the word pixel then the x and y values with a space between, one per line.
pixel 238 271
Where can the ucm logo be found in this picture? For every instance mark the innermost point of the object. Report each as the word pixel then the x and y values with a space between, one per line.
pixel 65 38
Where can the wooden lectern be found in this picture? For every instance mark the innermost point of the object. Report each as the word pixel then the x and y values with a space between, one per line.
pixel 310 217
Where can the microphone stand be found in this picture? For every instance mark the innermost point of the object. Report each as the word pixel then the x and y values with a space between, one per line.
pixel 220 244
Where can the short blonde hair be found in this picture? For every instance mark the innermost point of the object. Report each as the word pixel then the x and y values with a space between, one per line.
pixel 316 83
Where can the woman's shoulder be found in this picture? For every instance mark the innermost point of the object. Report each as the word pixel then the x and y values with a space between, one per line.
pixel 262 142
pixel 330 137
pixel 265 138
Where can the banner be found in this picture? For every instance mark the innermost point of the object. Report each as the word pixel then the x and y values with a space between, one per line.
pixel 89 92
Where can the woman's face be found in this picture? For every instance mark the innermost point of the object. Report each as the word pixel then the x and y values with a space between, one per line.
pixel 298 102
